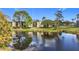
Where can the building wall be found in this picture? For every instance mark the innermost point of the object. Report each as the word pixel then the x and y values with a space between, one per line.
pixel 37 24
pixel 13 24
pixel 31 25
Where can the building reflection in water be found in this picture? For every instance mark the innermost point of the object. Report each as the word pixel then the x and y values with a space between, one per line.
pixel 45 40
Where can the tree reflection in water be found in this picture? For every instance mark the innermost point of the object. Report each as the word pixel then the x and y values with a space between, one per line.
pixel 53 39
pixel 21 40
pixel 37 40
pixel 77 35
pixel 46 41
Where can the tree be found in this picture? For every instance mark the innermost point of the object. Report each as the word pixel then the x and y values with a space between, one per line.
pixel 72 20
pixel 35 23
pixel 28 21
pixel 20 16
pixel 46 23
pixel 43 18
pixel 59 16
pixel 77 21
pixel 5 31
pixel 66 23
pixel 59 22
pixel 77 16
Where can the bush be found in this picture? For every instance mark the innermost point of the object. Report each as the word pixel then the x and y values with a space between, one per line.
pixel 5 31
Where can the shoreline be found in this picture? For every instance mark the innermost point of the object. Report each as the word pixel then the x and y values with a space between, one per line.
pixel 67 30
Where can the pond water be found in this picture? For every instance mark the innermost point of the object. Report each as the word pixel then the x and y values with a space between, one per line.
pixel 45 41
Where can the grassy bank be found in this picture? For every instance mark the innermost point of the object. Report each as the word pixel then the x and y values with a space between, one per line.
pixel 74 30
pixel 36 30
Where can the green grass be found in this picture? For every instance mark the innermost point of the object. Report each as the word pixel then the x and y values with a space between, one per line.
pixel 66 29
pixel 36 30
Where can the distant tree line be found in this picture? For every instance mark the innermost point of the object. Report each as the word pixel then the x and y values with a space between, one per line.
pixel 57 22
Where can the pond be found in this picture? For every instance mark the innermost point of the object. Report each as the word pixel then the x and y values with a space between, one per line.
pixel 45 41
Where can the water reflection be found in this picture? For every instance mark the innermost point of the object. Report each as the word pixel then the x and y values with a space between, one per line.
pixel 77 36
pixel 46 41
pixel 21 40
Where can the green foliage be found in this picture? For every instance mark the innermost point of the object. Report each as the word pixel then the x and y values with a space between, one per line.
pixel 43 18
pixel 77 16
pixel 20 16
pixel 47 22
pixel 23 45
pixel 28 21
pixel 59 15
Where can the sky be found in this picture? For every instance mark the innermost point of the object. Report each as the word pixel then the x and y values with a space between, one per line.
pixel 38 13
